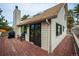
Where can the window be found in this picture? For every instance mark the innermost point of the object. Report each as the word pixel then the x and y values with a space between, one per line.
pixel 58 29
pixel 24 29
pixel 32 26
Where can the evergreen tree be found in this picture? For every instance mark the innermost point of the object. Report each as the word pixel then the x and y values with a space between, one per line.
pixel 3 23
pixel 76 12
pixel 70 20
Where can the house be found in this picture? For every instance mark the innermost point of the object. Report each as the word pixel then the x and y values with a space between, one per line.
pixel 47 29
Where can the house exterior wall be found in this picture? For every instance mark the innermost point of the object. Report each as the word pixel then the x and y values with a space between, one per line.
pixel 27 34
pixel 55 40
pixel 45 36
pixel 18 31
pixel 49 40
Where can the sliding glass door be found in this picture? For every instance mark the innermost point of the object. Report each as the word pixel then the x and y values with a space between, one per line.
pixel 35 34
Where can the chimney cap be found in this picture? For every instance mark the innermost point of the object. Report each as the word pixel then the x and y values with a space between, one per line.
pixel 16 7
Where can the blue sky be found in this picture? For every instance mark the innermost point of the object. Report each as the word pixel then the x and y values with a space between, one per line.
pixel 28 8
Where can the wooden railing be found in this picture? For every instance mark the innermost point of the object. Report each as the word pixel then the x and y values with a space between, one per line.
pixel 76 43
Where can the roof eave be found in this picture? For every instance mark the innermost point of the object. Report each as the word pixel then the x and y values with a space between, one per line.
pixel 49 18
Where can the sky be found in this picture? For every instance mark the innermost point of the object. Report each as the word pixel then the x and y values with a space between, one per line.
pixel 26 8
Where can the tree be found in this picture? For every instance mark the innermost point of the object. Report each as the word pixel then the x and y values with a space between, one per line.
pixel 71 13
pixel 25 17
pixel 76 12
pixel 24 27
pixel 3 22
pixel 70 20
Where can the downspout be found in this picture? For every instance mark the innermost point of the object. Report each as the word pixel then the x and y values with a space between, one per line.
pixel 50 39
pixel 49 51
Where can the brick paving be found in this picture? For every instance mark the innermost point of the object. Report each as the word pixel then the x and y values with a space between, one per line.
pixel 65 48
pixel 15 47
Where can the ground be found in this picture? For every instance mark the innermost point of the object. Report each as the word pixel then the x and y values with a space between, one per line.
pixel 65 48
pixel 15 47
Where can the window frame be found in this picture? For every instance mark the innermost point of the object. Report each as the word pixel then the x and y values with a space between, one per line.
pixel 58 29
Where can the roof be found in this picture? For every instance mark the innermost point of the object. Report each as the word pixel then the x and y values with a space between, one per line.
pixel 49 13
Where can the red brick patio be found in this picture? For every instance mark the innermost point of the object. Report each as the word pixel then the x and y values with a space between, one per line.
pixel 65 48
pixel 15 47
